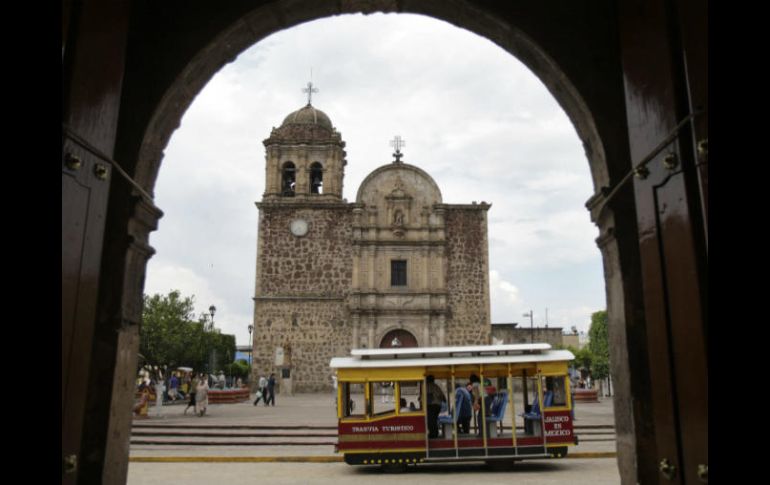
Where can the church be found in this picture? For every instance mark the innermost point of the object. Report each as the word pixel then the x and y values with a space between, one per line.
pixel 396 268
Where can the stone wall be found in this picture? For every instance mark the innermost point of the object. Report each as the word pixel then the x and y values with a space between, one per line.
pixel 301 286
pixel 310 332
pixel 468 322
pixel 523 335
pixel 318 263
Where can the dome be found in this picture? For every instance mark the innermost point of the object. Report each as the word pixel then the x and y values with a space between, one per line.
pixel 308 116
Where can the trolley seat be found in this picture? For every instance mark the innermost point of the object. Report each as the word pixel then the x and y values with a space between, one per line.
pixel 498 412
pixel 447 421
pixel 534 416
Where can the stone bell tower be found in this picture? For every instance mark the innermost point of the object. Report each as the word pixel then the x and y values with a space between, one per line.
pixel 304 270
pixel 305 158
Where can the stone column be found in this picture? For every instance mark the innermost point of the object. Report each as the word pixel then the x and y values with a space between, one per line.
pixel 356 323
pixel 441 330
pixel 302 173
pixel 372 323
pixel 272 172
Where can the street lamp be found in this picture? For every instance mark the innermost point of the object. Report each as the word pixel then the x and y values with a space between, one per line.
pixel 251 345
pixel 212 310
pixel 531 327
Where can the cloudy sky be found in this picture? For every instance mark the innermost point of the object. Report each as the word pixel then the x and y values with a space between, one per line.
pixel 472 116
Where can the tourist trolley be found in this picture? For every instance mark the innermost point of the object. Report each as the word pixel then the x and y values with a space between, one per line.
pixel 383 419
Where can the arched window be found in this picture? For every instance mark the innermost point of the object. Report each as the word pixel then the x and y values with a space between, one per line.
pixel 288 179
pixel 316 178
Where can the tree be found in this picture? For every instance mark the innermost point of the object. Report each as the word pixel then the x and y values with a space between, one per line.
pixel 168 329
pixel 599 346
pixel 172 336
pixel 239 368
pixel 222 348
pixel 584 359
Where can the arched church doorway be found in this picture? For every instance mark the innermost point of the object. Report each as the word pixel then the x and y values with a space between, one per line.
pixel 398 338
pixel 126 87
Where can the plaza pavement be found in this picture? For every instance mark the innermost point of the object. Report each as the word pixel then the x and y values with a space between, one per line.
pixel 593 462
pixel 593 422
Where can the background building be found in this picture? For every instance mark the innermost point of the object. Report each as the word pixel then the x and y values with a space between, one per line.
pixel 511 333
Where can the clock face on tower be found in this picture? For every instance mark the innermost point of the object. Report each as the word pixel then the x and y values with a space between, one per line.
pixel 299 227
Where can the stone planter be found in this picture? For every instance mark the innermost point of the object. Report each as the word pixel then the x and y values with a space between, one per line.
pixel 586 395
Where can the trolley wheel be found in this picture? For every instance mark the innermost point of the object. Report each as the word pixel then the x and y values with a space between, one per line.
pixel 394 467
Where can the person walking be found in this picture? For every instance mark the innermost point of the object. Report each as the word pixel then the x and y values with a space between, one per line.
pixel 193 388
pixel 261 390
pixel 173 387
pixel 270 391
pixel 202 396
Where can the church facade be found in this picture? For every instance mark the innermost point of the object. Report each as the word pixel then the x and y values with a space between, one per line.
pixel 397 267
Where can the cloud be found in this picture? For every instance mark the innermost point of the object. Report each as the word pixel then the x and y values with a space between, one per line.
pixel 167 277
pixel 505 296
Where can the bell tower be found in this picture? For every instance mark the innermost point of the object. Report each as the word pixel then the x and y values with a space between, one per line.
pixel 303 268
pixel 305 158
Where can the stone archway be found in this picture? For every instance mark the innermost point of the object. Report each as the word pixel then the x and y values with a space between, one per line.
pixel 159 99
pixel 573 47
pixel 398 338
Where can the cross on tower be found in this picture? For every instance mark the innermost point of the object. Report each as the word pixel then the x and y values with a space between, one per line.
pixel 397 143
pixel 309 90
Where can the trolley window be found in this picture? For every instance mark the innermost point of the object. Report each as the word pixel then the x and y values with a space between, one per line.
pixel 410 394
pixel 383 398
pixel 354 394
pixel 556 386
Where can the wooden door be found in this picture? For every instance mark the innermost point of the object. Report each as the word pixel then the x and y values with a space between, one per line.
pixel 666 87
pixel 92 71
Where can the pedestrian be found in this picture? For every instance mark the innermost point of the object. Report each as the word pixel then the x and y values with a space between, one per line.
pixel 193 386
pixel 261 390
pixel 173 387
pixel 270 391
pixel 202 396
pixel 140 408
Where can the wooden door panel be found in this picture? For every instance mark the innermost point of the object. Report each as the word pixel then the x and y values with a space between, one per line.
pixel 671 222
pixel 685 326
pixel 84 206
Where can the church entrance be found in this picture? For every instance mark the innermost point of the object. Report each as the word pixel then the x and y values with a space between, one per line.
pixel 398 338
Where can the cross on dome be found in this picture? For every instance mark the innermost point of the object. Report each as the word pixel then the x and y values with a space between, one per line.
pixel 397 143
pixel 309 90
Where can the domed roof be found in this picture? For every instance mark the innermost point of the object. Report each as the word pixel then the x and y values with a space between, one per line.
pixel 308 115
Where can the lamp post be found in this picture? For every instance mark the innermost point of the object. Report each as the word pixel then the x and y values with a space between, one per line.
pixel 531 327
pixel 251 347
pixel 212 311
